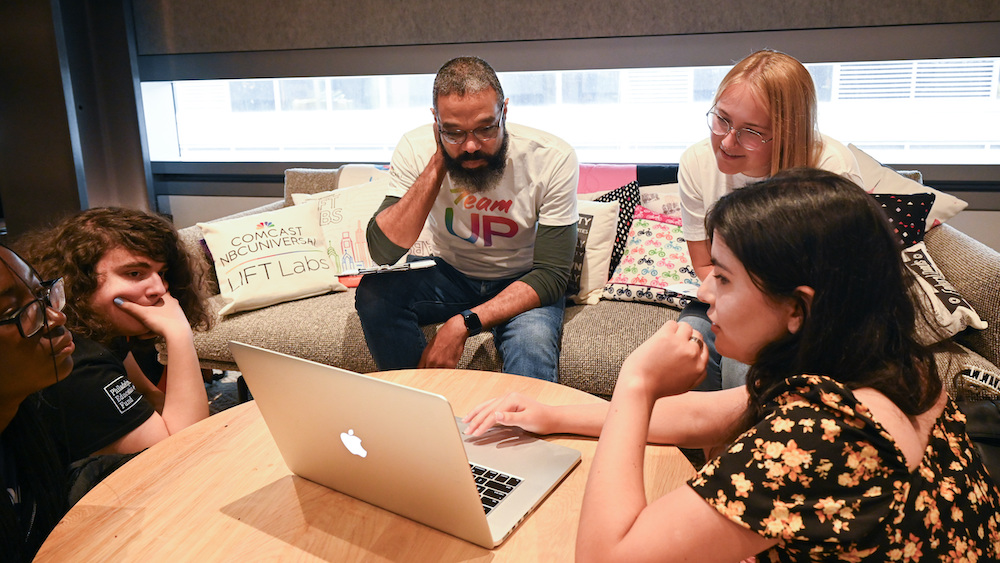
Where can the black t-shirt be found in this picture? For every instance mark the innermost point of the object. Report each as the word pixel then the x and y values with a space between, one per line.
pixel 144 353
pixel 96 404
pixel 33 485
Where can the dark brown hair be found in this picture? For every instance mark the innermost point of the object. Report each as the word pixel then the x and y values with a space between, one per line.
pixel 808 227
pixel 73 248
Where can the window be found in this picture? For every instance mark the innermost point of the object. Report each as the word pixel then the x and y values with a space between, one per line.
pixel 916 112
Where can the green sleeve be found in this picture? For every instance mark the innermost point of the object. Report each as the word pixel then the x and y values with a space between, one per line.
pixel 383 250
pixel 554 249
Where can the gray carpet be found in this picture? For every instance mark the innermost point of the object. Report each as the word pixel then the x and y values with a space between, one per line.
pixel 222 391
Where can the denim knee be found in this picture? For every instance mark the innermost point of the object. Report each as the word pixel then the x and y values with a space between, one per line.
pixel 696 315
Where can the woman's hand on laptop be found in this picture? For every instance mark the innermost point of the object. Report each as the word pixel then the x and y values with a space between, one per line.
pixel 513 409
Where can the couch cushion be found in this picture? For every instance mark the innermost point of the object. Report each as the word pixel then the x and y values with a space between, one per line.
pixel 967 376
pixel 324 328
pixel 597 339
pixel 309 181
pixel 327 329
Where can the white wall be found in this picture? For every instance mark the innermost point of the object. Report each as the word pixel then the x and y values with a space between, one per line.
pixel 187 210
pixel 983 226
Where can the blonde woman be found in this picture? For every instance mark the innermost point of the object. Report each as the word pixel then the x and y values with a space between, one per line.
pixel 762 120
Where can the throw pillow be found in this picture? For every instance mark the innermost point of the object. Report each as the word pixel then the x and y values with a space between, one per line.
pixel 270 258
pixel 357 174
pixel 663 198
pixel 595 239
pixel 907 214
pixel 949 311
pixel 656 257
pixel 884 180
pixel 343 215
pixel 627 197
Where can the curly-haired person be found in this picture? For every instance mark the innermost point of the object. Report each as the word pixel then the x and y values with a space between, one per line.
pixel 130 285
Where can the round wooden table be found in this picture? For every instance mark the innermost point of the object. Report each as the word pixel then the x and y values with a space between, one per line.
pixel 219 491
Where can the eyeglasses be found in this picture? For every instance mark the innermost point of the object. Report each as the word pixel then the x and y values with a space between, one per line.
pixel 747 138
pixel 31 318
pixel 458 136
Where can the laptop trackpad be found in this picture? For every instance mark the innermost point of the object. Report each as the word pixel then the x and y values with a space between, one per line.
pixel 517 452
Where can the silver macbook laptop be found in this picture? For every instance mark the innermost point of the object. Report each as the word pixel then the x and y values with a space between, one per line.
pixel 400 448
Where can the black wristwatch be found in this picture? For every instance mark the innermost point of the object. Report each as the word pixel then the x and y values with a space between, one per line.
pixel 472 322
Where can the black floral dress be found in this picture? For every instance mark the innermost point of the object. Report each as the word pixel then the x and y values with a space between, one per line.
pixel 823 478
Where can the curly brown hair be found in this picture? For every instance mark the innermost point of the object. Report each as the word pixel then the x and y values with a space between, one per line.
pixel 73 248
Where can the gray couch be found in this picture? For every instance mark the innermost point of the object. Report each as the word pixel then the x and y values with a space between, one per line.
pixel 596 338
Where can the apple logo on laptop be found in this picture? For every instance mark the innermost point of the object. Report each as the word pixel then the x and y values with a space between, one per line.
pixel 353 443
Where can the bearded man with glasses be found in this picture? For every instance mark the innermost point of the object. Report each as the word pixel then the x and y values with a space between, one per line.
pixel 498 201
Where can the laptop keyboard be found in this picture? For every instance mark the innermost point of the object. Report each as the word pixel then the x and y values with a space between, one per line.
pixel 493 486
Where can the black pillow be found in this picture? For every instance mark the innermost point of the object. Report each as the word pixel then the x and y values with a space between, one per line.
pixel 907 213
pixel 627 197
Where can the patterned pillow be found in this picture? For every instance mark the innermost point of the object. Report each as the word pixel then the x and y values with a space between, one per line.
pixel 907 214
pixel 656 257
pixel 627 197
pixel 949 311
pixel 663 198
pixel 881 179
pixel 595 238
pixel 343 215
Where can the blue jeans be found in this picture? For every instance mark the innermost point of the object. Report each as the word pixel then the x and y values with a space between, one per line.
pixel 393 307
pixel 723 373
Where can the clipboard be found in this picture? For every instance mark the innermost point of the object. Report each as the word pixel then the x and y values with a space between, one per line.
pixel 403 267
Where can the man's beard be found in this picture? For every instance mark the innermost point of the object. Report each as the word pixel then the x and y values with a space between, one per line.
pixel 482 178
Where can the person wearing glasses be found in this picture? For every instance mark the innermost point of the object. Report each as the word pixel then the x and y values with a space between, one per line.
pixel 762 120
pixel 499 202
pixel 841 446
pixel 133 299
pixel 37 351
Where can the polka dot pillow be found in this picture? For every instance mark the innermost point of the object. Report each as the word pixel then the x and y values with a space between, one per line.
pixel 907 214
pixel 655 258
pixel 627 197
pixel 948 313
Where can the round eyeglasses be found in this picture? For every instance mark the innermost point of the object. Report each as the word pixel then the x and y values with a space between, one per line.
pixel 31 318
pixel 747 138
pixel 484 134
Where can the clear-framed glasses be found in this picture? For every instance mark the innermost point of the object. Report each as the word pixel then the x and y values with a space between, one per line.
pixel 484 134
pixel 31 318
pixel 747 138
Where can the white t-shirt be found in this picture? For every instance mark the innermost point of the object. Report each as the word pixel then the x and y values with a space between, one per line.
pixel 702 184
pixel 491 235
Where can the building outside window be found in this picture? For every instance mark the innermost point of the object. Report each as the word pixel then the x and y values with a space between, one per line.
pixel 916 112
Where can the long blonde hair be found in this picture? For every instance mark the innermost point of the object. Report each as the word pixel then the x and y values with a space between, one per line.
pixel 781 83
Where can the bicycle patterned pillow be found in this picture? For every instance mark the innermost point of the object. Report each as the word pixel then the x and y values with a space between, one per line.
pixel 655 257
